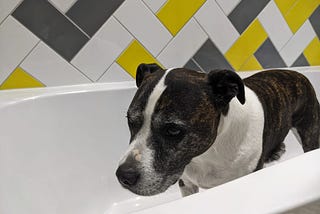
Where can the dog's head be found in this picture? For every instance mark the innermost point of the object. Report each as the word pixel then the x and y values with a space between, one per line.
pixel 173 118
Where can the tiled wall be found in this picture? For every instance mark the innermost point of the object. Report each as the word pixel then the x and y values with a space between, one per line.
pixel 62 42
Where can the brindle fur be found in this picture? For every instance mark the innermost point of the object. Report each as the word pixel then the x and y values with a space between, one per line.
pixel 289 101
pixel 197 101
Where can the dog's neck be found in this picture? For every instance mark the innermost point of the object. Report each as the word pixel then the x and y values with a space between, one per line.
pixel 237 147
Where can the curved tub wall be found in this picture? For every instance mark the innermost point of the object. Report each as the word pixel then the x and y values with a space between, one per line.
pixel 60 147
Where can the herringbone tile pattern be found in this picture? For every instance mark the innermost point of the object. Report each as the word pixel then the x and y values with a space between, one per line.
pixel 54 42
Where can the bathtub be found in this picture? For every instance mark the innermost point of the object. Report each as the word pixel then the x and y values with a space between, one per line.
pixel 60 147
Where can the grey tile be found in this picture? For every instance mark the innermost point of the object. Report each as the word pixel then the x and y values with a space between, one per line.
pixel 268 56
pixel 245 12
pixel 301 61
pixel 51 26
pixel 192 65
pixel 209 57
pixel 89 15
pixel 315 21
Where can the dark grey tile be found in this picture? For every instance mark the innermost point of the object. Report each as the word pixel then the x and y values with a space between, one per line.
pixel 315 21
pixel 192 65
pixel 268 56
pixel 245 12
pixel 301 61
pixel 89 15
pixel 209 57
pixel 51 26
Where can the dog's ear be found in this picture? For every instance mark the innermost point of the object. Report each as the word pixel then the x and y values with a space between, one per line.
pixel 225 85
pixel 144 69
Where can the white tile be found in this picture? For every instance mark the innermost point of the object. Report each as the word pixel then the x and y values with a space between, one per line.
pixel 183 46
pixel 6 7
pixel 275 25
pixel 228 5
pixel 100 52
pixel 115 74
pixel 15 43
pixel 63 5
pixel 144 25
pixel 217 25
pixel 297 43
pixel 155 5
pixel 51 69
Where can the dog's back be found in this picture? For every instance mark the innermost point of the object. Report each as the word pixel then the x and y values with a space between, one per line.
pixel 289 101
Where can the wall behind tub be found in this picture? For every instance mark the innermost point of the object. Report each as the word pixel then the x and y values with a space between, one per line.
pixel 64 42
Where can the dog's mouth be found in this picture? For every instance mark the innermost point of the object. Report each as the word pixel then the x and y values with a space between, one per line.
pixel 148 185
pixel 155 187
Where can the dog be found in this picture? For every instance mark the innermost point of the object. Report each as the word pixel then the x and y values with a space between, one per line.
pixel 205 129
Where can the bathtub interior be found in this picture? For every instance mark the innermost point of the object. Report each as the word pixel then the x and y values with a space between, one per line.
pixel 60 148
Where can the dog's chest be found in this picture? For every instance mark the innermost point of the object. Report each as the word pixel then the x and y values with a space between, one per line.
pixel 237 148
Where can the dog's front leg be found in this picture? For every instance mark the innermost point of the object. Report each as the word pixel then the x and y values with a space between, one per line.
pixel 187 188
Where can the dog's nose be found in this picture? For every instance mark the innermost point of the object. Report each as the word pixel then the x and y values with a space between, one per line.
pixel 127 175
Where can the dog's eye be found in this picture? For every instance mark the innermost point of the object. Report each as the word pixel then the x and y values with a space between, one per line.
pixel 173 131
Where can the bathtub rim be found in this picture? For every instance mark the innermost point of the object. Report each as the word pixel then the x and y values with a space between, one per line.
pixel 14 96
pixel 287 199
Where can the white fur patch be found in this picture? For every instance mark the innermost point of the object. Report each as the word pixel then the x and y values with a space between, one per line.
pixel 139 143
pixel 237 148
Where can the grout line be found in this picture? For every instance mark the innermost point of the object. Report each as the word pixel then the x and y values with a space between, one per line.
pixel 211 38
pixel 21 61
pixel 56 6
pixel 154 56
pixel 70 20
pixel 162 49
pixel 29 52
pixel 155 12
pixel 105 71
pixel 166 1
pixel 191 17
pixel 80 71
pixel 195 62
pixel 222 8
pixel 12 11
pixel 66 61
pixel 74 2
pixel 99 29
pixel 143 2
pixel 134 38
pixel 222 54
pixel 173 37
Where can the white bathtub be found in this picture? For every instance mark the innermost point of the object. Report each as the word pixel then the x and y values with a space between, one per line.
pixel 60 147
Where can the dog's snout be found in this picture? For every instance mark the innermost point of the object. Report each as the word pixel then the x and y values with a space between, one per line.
pixel 127 175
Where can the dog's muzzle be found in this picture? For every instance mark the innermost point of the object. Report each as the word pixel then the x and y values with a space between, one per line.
pixel 127 175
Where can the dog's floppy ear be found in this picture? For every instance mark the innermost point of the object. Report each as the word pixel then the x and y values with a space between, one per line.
pixel 225 85
pixel 144 69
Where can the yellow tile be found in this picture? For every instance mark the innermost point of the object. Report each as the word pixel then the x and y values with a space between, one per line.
pixel 176 13
pixel 312 52
pixel 285 5
pixel 133 56
pixel 300 12
pixel 251 64
pixel 20 79
pixel 246 45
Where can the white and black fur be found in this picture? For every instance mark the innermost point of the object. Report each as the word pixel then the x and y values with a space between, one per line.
pixel 186 125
